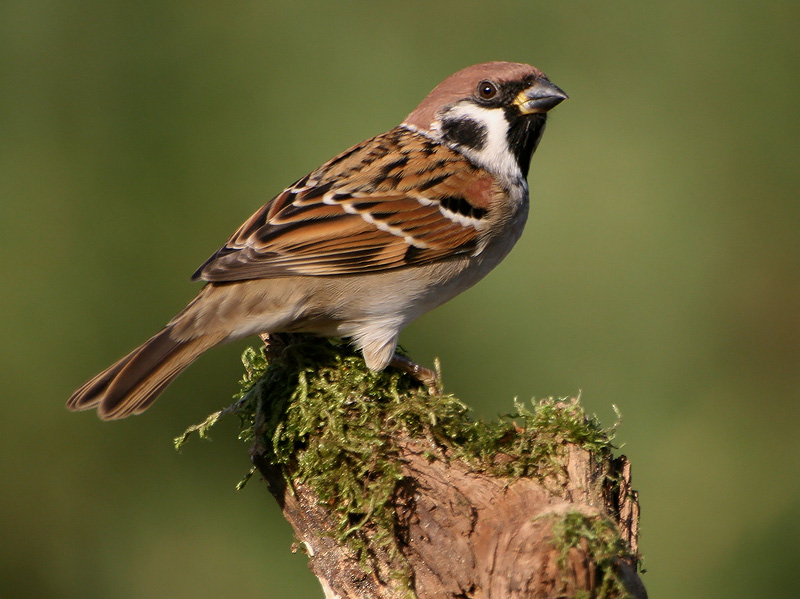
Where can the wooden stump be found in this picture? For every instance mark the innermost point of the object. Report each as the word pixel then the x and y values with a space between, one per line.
pixel 412 498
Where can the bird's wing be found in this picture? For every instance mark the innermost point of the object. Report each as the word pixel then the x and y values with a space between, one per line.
pixel 396 200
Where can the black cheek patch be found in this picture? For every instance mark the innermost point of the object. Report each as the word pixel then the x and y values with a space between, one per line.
pixel 464 132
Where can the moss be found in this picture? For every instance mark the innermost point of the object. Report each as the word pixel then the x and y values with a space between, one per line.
pixel 599 538
pixel 327 421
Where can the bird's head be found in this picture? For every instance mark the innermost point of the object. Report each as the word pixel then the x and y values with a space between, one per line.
pixel 493 112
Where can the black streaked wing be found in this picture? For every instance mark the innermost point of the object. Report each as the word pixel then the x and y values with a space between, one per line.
pixel 393 201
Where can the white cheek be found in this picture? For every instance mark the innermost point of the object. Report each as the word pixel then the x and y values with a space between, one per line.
pixel 495 155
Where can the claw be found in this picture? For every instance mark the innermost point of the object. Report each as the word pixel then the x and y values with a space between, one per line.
pixel 426 376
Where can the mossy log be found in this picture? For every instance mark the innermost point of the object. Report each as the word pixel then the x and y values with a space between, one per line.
pixel 397 492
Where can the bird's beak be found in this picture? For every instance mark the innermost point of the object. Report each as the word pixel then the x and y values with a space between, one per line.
pixel 539 97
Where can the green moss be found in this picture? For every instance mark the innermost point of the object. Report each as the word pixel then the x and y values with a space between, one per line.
pixel 599 538
pixel 316 425
pixel 327 421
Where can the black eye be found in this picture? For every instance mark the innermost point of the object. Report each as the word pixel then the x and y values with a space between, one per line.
pixel 487 90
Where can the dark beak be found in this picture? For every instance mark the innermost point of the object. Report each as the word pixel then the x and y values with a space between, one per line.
pixel 539 97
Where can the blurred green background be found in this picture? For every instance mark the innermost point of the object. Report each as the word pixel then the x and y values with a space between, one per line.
pixel 660 269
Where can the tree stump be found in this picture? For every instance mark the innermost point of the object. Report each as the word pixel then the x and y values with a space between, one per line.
pixel 396 492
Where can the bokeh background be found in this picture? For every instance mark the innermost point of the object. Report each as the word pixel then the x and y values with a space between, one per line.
pixel 659 272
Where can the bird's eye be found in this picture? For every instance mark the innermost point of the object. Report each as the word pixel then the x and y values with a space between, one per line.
pixel 487 90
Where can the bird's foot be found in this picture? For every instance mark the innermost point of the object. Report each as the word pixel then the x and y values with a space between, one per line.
pixel 430 378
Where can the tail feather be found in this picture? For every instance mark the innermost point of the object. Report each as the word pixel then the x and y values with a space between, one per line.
pixel 90 394
pixel 132 384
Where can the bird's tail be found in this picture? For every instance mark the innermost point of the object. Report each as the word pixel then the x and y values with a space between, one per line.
pixel 132 384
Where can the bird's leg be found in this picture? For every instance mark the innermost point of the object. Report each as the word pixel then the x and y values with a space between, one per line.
pixel 426 376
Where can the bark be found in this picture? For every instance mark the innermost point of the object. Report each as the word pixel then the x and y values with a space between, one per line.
pixel 465 533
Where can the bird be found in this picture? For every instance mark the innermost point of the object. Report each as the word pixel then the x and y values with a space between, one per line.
pixel 366 243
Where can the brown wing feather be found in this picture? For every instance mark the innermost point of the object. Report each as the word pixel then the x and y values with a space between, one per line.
pixel 393 201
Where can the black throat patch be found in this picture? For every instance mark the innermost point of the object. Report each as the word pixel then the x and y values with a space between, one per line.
pixel 524 134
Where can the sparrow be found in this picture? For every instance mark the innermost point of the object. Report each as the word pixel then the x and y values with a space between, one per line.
pixel 368 242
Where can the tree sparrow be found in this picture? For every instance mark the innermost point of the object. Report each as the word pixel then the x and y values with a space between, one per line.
pixel 368 242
